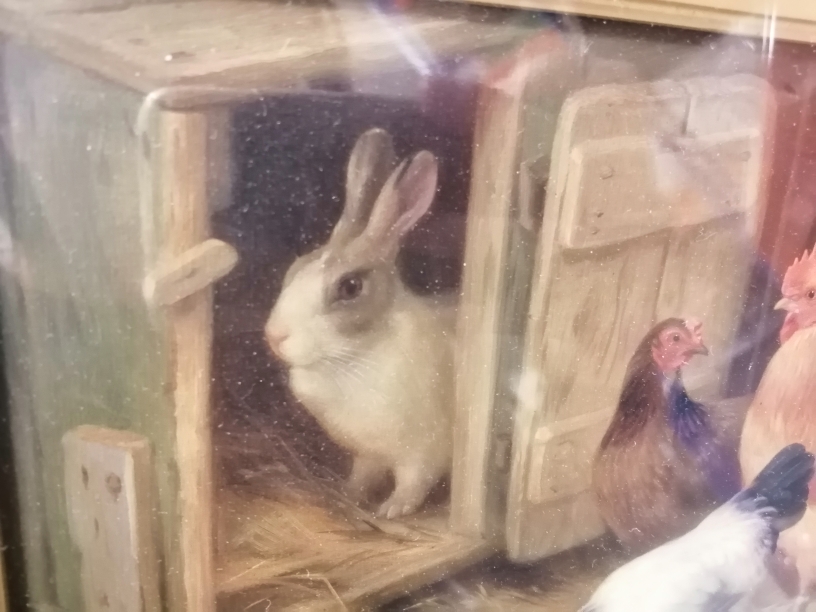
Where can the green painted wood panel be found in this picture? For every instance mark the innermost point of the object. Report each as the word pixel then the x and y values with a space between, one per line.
pixel 83 348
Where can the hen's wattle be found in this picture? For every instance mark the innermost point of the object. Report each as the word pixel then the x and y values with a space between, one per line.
pixel 789 327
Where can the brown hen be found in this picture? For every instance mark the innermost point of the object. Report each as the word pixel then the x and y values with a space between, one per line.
pixel 666 461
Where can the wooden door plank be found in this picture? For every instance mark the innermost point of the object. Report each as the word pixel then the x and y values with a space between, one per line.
pixel 596 315
pixel 552 384
pixel 706 271
pixel 490 319
pixel 184 212
pixel 630 186
pixel 108 486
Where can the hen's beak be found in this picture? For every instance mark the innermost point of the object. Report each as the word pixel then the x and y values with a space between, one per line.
pixel 785 304
pixel 701 349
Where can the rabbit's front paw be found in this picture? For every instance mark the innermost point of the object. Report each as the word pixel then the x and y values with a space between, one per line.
pixel 395 508
pixel 412 485
pixel 366 473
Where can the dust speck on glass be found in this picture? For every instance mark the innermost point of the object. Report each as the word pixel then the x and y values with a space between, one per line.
pixel 398 305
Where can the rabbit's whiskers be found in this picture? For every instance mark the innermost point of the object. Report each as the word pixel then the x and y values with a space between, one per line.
pixel 343 384
pixel 354 355
pixel 354 367
pixel 343 366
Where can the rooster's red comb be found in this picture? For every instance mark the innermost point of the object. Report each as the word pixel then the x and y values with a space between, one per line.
pixel 801 273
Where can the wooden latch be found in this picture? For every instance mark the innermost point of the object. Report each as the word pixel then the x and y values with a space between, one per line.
pixel 190 272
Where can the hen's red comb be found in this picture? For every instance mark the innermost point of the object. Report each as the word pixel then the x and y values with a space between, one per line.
pixel 695 327
pixel 801 273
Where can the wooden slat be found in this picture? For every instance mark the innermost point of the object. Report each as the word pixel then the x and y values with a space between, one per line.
pixel 220 50
pixel 495 159
pixel 183 138
pixel 738 102
pixel 792 9
pixel 705 274
pixel 491 311
pixel 221 162
pixel 621 188
pixel 108 487
pixel 788 20
pixel 705 277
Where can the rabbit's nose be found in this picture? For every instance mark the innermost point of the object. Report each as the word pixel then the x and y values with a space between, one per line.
pixel 276 337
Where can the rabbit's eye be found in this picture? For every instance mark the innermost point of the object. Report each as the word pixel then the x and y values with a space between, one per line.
pixel 349 287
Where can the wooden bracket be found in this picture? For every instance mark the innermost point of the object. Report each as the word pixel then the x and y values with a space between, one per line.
pixel 568 444
pixel 110 510
pixel 190 272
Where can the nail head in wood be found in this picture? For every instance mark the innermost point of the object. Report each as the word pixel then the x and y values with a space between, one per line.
pixel 114 485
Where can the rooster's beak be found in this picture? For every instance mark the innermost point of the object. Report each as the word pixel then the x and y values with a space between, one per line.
pixel 785 304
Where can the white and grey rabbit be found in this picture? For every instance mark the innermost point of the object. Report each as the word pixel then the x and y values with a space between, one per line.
pixel 372 361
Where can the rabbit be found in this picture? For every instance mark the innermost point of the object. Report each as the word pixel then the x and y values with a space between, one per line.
pixel 369 359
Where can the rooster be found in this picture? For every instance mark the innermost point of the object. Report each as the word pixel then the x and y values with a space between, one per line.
pixel 796 292
pixel 783 409
pixel 665 461
pixel 722 563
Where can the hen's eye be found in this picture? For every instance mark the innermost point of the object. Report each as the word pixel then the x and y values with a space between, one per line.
pixel 811 294
pixel 675 338
pixel 349 287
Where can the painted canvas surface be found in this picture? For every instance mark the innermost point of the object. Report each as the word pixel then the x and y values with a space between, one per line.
pixel 406 306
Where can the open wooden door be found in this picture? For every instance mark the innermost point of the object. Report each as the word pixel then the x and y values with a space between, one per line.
pixel 516 123
pixel 654 199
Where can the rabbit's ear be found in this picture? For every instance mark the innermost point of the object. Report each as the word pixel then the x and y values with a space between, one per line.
pixel 372 159
pixel 405 198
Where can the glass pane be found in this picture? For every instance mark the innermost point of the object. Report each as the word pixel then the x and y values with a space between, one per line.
pixel 406 305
